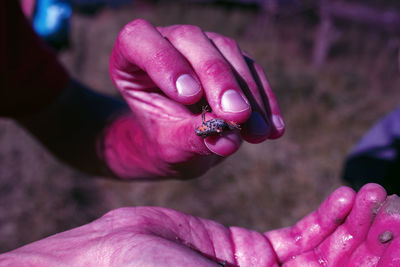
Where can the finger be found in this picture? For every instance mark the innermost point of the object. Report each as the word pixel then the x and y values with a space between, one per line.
pixel 384 236
pixel 386 226
pixel 223 144
pixel 383 240
pixel 221 88
pixel 269 99
pixel 310 231
pixel 252 248
pixel 175 126
pixel 257 128
pixel 337 249
pixel 140 48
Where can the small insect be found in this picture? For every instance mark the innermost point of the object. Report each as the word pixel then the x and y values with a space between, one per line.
pixel 214 126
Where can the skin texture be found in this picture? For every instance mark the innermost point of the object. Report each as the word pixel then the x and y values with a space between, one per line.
pixel 166 75
pixel 152 69
pixel 344 231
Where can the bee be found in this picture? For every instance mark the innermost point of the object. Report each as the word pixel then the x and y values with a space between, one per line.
pixel 214 126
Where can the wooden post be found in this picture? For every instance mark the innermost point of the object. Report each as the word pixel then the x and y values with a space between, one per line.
pixel 323 38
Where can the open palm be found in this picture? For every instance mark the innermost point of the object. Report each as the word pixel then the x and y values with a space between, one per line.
pixel 348 229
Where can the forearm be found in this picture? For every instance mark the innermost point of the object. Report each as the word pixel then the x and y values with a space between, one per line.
pixel 72 126
pixel 95 133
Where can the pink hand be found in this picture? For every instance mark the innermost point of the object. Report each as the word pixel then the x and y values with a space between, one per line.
pixel 331 234
pixel 166 75
pixel 342 232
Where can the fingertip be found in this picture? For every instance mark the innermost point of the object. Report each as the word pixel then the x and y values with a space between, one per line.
pixel 372 193
pixel 338 205
pixel 279 126
pixel 373 187
pixel 232 105
pixel 233 102
pixel 188 88
pixel 255 130
pixel 224 145
pixel 254 139
pixel 367 203
pixel 344 195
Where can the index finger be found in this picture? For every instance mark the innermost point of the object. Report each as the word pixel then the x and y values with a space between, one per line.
pixel 314 228
pixel 222 90
pixel 140 47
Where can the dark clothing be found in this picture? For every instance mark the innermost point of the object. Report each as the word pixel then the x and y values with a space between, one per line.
pixel 376 157
pixel 31 76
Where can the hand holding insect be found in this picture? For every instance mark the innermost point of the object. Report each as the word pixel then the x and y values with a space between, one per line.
pixel 166 74
pixel 214 126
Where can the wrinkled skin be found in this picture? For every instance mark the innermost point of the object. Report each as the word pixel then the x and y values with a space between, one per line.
pixel 348 229
pixel 166 75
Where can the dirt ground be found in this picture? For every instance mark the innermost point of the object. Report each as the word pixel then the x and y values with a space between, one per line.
pixel 261 187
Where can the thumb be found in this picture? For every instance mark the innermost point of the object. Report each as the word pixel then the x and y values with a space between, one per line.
pixel 222 144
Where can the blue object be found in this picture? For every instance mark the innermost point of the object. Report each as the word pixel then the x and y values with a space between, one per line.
pixel 51 21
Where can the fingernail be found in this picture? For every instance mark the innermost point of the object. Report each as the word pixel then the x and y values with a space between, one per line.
pixel 257 125
pixel 224 145
pixel 278 122
pixel 232 101
pixel 187 85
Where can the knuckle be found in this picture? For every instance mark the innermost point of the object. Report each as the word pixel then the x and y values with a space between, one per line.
pixel 229 42
pixel 185 31
pixel 130 216
pixel 211 35
pixel 214 67
pixel 117 213
pixel 226 42
pixel 134 27
pixel 163 56
pixel 138 24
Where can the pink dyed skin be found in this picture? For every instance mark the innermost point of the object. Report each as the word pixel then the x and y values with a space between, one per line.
pixel 344 231
pixel 166 74
pixel 28 7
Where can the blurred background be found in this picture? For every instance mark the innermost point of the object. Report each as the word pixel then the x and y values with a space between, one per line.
pixel 333 65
